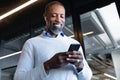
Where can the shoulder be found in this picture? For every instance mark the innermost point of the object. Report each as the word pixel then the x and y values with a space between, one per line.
pixel 72 40
pixel 32 40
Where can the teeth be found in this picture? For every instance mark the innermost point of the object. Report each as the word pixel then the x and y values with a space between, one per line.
pixel 57 24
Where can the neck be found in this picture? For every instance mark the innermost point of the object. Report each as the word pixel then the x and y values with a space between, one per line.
pixel 51 33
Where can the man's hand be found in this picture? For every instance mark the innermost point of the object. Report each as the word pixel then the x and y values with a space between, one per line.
pixel 63 58
pixel 76 58
pixel 56 61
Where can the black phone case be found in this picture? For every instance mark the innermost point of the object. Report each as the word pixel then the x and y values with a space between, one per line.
pixel 74 47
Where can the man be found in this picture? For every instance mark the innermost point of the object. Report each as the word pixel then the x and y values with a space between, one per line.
pixel 46 57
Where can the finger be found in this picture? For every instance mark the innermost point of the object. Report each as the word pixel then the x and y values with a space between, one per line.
pixel 75 57
pixel 74 60
pixel 74 53
pixel 62 58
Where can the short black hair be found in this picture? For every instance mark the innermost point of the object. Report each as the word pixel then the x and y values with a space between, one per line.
pixel 47 7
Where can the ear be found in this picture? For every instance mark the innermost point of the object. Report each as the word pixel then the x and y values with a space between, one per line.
pixel 45 18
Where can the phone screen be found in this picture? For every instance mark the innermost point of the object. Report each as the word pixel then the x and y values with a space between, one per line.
pixel 74 47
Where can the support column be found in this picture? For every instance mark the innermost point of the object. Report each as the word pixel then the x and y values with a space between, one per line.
pixel 0 73
pixel 116 62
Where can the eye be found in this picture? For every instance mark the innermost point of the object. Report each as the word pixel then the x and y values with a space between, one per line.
pixel 53 15
pixel 62 16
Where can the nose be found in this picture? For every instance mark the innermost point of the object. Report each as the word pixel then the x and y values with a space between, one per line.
pixel 58 18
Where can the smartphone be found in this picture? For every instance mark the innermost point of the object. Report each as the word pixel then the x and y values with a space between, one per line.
pixel 74 47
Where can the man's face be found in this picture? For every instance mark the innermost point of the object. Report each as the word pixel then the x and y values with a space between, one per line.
pixel 55 19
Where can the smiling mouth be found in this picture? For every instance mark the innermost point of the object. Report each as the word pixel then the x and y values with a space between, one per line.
pixel 57 24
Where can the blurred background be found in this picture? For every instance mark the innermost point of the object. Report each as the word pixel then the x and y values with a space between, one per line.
pixel 94 23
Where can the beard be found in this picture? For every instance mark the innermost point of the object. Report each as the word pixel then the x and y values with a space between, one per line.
pixel 56 27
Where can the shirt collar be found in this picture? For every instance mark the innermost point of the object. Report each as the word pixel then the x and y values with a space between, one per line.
pixel 46 34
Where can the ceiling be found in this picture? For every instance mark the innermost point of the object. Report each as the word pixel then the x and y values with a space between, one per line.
pixel 29 22
pixel 32 16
